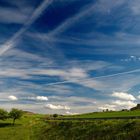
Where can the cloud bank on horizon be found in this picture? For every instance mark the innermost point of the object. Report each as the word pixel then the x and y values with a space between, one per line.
pixel 69 57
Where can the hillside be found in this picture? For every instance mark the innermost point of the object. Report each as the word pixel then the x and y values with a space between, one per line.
pixel 38 127
pixel 110 114
pixel 136 107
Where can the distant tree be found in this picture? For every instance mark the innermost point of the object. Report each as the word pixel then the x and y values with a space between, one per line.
pixel 124 110
pixel 136 107
pixel 106 110
pixel 15 114
pixel 3 114
pixel 55 115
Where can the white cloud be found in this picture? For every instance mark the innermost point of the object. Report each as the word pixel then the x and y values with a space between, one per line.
pixel 42 98
pixel 119 82
pixel 39 98
pixel 70 113
pixel 118 105
pixel 138 96
pixel 135 7
pixel 23 73
pixel 66 74
pixel 77 72
pixel 11 97
pixel 125 104
pixel 13 73
pixel 58 89
pixel 13 40
pixel 124 96
pixel 131 58
pixel 72 100
pixel 105 6
pixel 12 15
pixel 102 83
pixel 57 107
pixel 107 106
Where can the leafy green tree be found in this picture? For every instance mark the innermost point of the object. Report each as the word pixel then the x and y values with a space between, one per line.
pixel 3 114
pixel 15 114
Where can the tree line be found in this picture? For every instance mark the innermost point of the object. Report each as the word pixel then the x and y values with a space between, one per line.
pixel 13 114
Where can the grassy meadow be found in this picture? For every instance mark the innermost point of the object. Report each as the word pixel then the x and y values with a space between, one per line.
pixel 109 114
pixel 22 130
pixel 45 127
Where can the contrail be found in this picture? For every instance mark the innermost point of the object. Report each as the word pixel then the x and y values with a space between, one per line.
pixel 118 74
pixel 11 42
pixel 94 78
pixel 70 21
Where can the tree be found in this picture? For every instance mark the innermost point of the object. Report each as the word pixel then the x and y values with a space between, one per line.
pixel 3 114
pixel 15 114
pixel 55 115
pixel 136 107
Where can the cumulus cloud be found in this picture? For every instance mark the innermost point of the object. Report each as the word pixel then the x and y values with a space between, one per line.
pixel 107 106
pixel 11 97
pixel 124 96
pixel 138 96
pixel 125 104
pixel 42 98
pixel 70 113
pixel 57 107
pixel 118 105
pixel 39 98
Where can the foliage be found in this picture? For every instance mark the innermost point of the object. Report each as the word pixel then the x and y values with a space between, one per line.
pixel 89 130
pixel 35 127
pixel 136 107
pixel 22 130
pixel 15 114
pixel 55 115
pixel 3 114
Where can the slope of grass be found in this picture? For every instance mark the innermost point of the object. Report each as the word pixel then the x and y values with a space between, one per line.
pixel 22 130
pixel 36 127
pixel 89 130
pixel 108 114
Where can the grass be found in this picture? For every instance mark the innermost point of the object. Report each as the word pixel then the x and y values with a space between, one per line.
pixel 108 114
pixel 36 127
pixel 90 130
pixel 22 130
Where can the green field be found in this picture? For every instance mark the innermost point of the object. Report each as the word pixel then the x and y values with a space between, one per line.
pixel 45 127
pixel 109 114
pixel 22 130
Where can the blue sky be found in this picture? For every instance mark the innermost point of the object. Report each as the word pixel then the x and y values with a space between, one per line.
pixel 77 56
